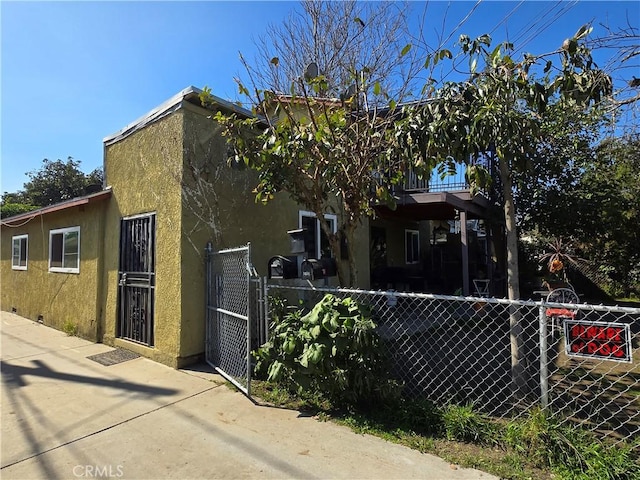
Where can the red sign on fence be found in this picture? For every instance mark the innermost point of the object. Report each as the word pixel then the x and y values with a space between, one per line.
pixel 598 340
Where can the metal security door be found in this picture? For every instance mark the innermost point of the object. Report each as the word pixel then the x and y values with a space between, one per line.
pixel 228 329
pixel 137 279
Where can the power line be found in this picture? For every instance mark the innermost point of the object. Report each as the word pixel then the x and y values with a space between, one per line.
pixel 525 35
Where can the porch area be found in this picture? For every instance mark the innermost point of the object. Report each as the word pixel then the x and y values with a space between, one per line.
pixel 450 245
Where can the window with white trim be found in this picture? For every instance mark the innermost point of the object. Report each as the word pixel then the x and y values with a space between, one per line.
pixel 20 246
pixel 315 240
pixel 412 246
pixel 64 250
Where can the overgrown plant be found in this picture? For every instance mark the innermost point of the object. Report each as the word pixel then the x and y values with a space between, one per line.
pixel 571 452
pixel 334 349
pixel 70 328
pixel 463 424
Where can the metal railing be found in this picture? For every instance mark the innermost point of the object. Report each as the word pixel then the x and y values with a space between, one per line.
pixel 435 182
pixel 503 357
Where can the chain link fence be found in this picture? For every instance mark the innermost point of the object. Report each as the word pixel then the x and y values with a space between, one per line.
pixel 504 357
pixel 229 310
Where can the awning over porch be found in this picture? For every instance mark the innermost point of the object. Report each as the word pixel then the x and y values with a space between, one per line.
pixel 422 206
pixel 436 206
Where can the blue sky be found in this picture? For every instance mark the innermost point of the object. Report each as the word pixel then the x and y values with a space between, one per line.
pixel 73 73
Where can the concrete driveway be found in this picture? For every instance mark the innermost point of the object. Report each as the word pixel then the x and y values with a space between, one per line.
pixel 67 416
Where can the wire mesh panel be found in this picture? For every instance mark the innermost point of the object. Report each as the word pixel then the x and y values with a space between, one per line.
pixel 593 368
pixel 228 332
pixel 494 354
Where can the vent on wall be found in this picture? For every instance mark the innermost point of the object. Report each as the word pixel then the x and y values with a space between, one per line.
pixel 14 310
pixel 40 319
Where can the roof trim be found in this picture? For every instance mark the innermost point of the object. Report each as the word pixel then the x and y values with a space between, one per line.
pixel 167 107
pixel 74 202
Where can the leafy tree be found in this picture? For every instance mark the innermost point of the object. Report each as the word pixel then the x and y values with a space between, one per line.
pixel 594 206
pixel 326 156
pixel 501 107
pixel 11 209
pixel 54 182
pixel 541 190
pixel 610 195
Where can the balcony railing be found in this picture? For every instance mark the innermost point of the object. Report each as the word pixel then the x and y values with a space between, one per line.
pixel 450 183
pixel 436 183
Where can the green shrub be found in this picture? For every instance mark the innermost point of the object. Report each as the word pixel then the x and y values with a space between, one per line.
pixel 573 453
pixel 334 349
pixel 417 415
pixel 463 424
pixel 70 328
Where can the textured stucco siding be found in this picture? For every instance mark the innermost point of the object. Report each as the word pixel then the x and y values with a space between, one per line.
pixel 61 299
pixel 145 173
pixel 177 168
pixel 219 206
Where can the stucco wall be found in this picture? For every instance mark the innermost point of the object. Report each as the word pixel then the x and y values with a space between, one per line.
pixel 144 171
pixel 62 299
pixel 177 168
pixel 219 206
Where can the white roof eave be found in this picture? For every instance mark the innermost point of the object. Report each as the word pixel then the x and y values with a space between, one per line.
pixel 169 106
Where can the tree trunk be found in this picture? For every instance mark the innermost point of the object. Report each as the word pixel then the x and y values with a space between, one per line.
pixel 334 244
pixel 518 361
pixel 513 278
pixel 349 231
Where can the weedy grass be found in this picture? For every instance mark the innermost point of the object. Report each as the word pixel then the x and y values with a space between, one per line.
pixel 70 328
pixel 328 362
pixel 531 448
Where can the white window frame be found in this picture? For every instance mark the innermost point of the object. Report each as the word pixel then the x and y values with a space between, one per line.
pixel 19 238
pixel 329 216
pixel 63 231
pixel 415 260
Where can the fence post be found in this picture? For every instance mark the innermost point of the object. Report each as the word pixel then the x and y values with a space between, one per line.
pixel 267 321
pixel 544 367
pixel 208 251
pixel 249 313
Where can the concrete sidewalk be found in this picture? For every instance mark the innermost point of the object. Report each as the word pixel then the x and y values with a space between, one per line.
pixel 66 416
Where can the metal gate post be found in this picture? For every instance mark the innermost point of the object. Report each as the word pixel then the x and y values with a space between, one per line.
pixel 544 367
pixel 265 296
pixel 261 333
pixel 249 312
pixel 267 321
pixel 208 251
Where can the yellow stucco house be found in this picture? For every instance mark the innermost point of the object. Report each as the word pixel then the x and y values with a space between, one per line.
pixel 125 265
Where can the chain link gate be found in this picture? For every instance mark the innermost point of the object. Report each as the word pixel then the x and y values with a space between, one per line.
pixel 230 277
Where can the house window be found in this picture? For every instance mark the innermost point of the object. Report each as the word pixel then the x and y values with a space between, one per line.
pixel 315 240
pixel 412 246
pixel 64 250
pixel 20 244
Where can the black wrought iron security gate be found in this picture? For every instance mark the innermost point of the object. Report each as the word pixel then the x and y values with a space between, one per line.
pixel 230 276
pixel 136 279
